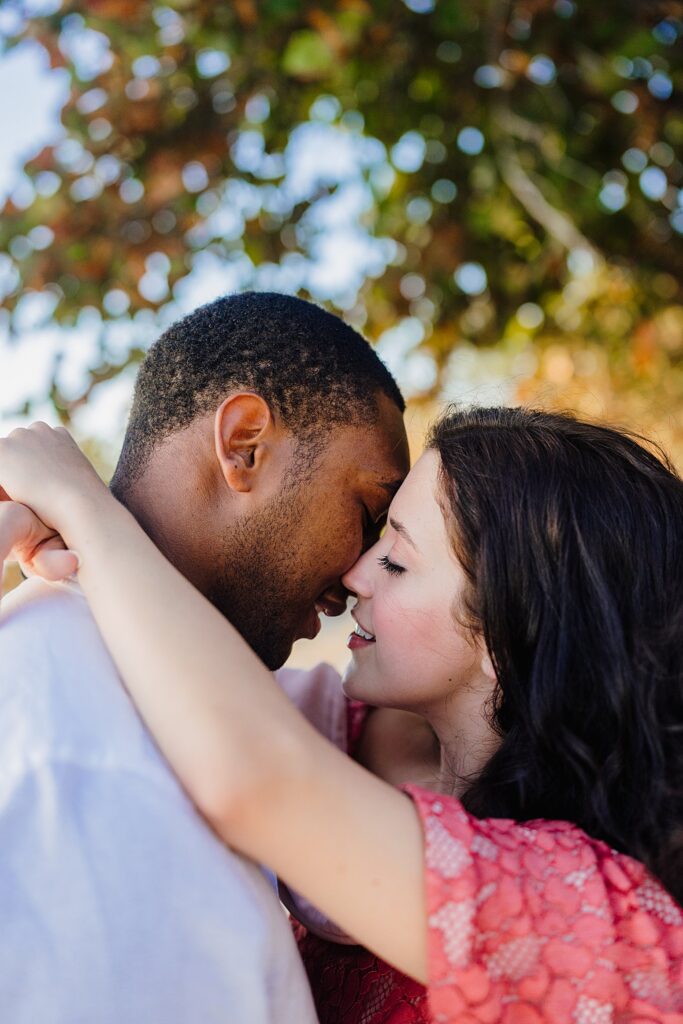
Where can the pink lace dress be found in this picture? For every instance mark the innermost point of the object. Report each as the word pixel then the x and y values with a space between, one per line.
pixel 532 923
pixel 536 923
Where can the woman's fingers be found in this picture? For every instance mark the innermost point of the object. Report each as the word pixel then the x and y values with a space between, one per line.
pixel 55 564
pixel 24 538
pixel 19 529
pixel 15 523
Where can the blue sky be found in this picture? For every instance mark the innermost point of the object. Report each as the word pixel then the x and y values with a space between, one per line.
pixel 31 118
pixel 29 121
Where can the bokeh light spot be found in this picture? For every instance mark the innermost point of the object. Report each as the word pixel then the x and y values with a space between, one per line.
pixel 541 70
pixel 625 101
pixel 211 63
pixel 409 152
pixel 444 191
pixel 530 315
pixel 471 278
pixel 470 140
pixel 653 183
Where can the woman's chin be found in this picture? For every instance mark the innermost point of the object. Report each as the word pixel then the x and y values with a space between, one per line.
pixel 358 686
pixel 347 687
pixel 352 685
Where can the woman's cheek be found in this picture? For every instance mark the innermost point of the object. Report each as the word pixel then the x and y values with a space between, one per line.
pixel 424 644
pixel 404 630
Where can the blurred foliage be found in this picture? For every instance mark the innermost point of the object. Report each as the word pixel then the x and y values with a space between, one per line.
pixel 513 169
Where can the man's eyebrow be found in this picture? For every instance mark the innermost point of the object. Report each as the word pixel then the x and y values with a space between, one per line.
pixel 402 532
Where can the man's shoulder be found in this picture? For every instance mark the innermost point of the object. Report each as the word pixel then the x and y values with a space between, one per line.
pixel 48 628
pixel 40 611
pixel 59 688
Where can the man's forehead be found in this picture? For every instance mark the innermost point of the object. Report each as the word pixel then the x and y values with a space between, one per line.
pixel 381 459
pixel 376 448
pixel 386 436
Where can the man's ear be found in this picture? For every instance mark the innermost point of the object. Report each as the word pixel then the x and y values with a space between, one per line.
pixel 243 433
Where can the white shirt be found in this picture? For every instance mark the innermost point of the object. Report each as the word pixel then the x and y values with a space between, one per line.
pixel 118 905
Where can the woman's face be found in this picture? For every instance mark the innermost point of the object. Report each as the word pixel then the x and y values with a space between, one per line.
pixel 410 589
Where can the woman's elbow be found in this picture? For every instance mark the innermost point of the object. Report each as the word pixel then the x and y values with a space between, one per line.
pixel 234 796
pixel 219 801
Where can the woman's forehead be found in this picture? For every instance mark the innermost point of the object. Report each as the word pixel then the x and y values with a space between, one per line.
pixel 417 495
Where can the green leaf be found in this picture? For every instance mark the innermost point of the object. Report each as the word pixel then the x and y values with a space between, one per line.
pixel 307 56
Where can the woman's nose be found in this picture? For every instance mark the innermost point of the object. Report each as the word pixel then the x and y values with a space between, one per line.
pixel 358 579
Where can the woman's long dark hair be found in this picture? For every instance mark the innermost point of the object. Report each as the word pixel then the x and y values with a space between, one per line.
pixel 571 536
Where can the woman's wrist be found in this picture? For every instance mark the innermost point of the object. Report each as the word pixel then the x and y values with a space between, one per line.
pixel 85 516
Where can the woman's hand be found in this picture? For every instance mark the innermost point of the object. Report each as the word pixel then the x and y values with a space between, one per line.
pixel 24 538
pixel 43 468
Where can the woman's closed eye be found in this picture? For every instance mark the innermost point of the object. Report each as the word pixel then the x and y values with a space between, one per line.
pixel 391 567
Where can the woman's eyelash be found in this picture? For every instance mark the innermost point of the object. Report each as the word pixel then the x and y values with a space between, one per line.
pixel 391 567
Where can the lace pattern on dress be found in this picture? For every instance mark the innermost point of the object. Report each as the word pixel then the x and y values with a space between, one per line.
pixel 536 923
pixel 352 986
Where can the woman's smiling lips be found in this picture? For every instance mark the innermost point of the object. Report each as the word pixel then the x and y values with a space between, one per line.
pixel 362 637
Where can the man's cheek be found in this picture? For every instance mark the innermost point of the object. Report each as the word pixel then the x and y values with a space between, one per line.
pixel 344 548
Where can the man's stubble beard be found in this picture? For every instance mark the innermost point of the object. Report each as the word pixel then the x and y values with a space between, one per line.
pixel 260 583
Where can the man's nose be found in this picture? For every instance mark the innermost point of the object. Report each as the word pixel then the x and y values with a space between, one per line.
pixel 334 600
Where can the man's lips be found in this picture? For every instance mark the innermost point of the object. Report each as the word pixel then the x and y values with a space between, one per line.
pixel 312 624
pixel 310 627
pixel 316 626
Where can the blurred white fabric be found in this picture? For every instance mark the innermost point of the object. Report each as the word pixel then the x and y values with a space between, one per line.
pixel 118 904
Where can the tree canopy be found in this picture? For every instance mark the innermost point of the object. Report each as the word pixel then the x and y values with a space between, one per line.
pixel 503 174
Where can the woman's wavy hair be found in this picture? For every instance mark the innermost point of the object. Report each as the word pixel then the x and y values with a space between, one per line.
pixel 571 537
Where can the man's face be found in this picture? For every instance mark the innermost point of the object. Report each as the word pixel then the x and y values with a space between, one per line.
pixel 281 566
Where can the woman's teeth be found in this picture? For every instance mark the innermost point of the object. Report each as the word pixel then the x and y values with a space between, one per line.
pixel 361 632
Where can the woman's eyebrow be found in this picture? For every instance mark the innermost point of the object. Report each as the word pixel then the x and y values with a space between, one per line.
pixel 402 532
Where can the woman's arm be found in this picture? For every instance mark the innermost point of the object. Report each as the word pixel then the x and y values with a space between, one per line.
pixel 268 783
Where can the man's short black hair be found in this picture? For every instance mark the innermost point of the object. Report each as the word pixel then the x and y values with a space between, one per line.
pixel 311 367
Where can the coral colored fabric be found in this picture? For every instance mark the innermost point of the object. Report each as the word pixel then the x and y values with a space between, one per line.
pixel 531 923
pixel 536 923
